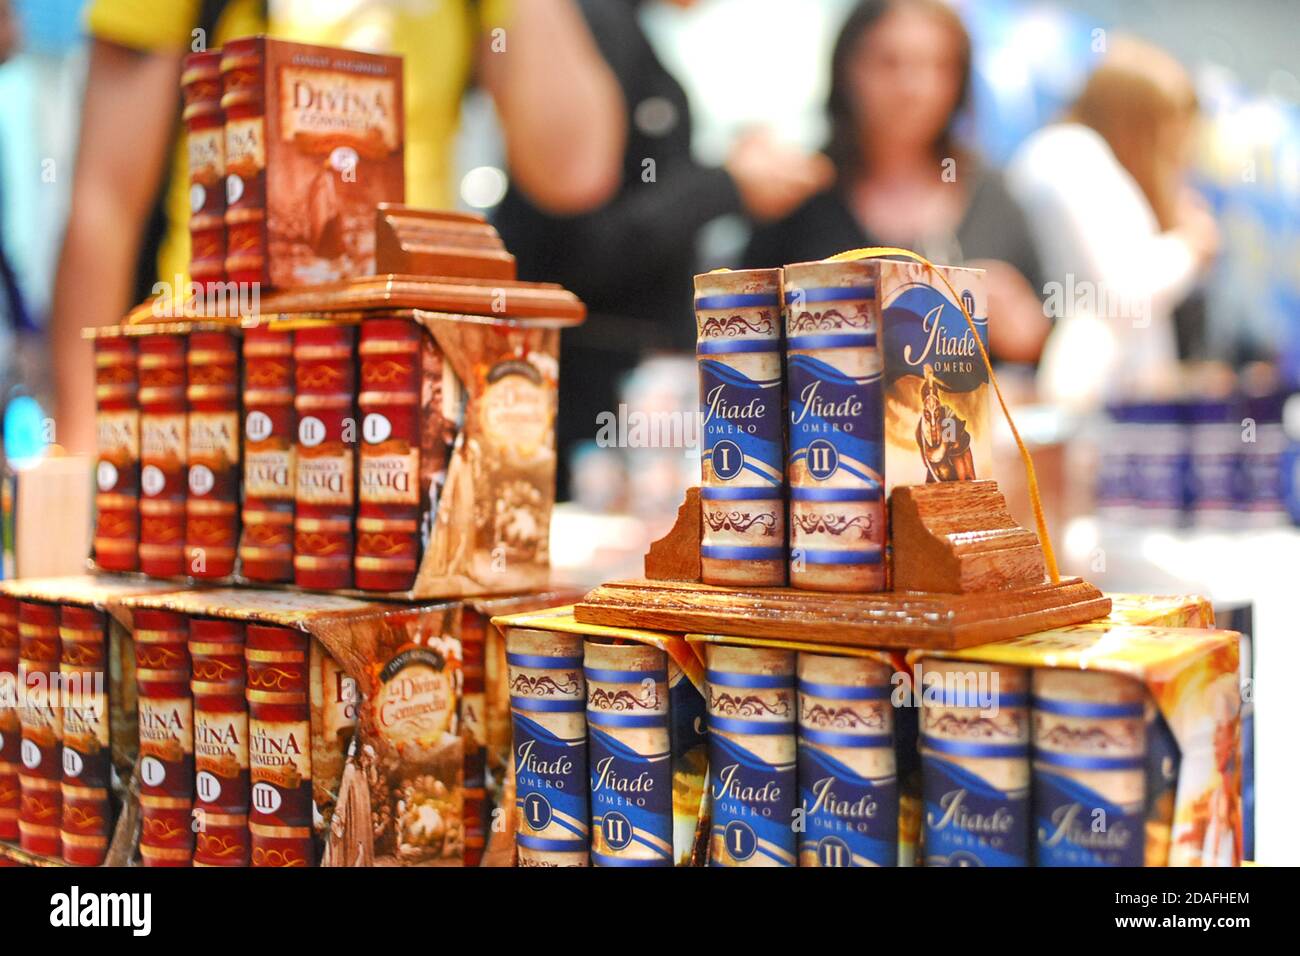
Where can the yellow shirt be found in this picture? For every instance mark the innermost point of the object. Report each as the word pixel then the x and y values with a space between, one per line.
pixel 437 38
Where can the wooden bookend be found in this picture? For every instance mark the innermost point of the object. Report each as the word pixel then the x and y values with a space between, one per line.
pixel 958 537
pixel 424 242
pixel 676 556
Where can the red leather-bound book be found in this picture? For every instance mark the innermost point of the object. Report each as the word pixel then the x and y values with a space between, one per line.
pixel 117 472
pixel 163 434
pixel 166 713
pixel 205 128
pixel 10 726
pixel 212 508
pixel 41 750
pixel 325 456
pixel 390 490
pixel 279 729
pixel 221 784
pixel 83 664
pixel 270 426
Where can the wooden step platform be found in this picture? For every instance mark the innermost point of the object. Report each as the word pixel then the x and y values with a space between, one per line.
pixel 889 619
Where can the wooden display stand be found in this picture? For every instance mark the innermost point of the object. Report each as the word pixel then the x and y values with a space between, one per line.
pixel 966 574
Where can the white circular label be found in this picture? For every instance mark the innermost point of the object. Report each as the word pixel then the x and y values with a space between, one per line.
pixel 198 196
pixel 266 798
pixel 152 480
pixel 311 431
pixel 201 479
pixel 376 428
pixel 343 158
pixel 257 426
pixel 207 786
pixel 72 762
pixel 152 771
pixel 106 476
pixel 234 189
pixel 31 755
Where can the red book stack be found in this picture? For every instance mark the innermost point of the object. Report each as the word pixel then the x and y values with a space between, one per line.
pixel 212 509
pixel 473 722
pixel 166 765
pixel 324 456
pixel 117 473
pixel 220 743
pixel 41 754
pixel 390 489
pixel 87 811
pixel 205 127
pixel 266 549
pixel 279 746
pixel 10 727
pixel 162 455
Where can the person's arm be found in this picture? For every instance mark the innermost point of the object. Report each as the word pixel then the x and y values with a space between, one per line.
pixel 1083 205
pixel 762 178
pixel 127 122
pixel 560 106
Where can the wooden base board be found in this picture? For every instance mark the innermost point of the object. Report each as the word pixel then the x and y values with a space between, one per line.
pixel 889 619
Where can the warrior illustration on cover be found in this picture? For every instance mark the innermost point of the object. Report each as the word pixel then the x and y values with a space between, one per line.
pixel 942 437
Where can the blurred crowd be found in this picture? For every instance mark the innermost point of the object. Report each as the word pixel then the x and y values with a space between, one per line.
pixel 1095 245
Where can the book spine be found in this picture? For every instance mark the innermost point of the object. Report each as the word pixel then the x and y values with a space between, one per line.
pixel 752 756
pixel 270 424
pixel 325 456
pixel 163 434
pixel 548 705
pixel 117 471
pixel 10 725
pixel 83 664
pixel 166 714
pixel 243 84
pixel 221 774
pixel 1089 776
pixel 836 446
pixel 473 722
pixel 629 754
pixel 742 488
pixel 390 490
pixel 975 764
pixel 41 717
pixel 212 451
pixel 848 781
pixel 205 129
pixel 279 729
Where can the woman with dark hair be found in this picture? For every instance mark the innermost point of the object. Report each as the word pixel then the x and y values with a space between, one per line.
pixel 899 78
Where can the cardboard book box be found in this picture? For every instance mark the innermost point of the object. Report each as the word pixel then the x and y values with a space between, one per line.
pixel 100 729
pixel 342 629
pixel 1190 777
pixel 402 800
pixel 313 139
pixel 1186 771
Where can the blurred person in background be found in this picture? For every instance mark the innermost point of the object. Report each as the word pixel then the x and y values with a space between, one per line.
pixel 900 74
pixel 1122 235
pixel 631 256
pixel 128 225
pixel 13 309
